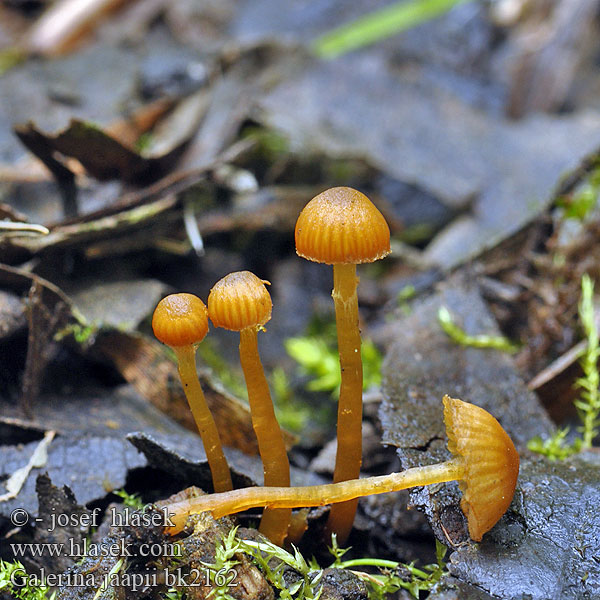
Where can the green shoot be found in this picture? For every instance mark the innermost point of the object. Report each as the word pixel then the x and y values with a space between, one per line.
pixel 456 334
pixel 14 581
pixel 380 24
pixel 82 332
pixel 320 360
pixel 588 404
pixel 130 500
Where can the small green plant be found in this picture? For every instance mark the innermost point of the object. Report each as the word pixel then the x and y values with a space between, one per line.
pixel 130 500
pixel 308 586
pixel 14 581
pixel 319 359
pixel 556 447
pixel 174 594
pixel 81 332
pixel 222 573
pixel 380 24
pixel 456 334
pixel 394 575
pixel 579 204
pixel 588 404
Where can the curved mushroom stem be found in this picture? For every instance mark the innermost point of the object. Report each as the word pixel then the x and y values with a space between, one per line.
pixel 349 424
pixel 274 523
pixel 315 495
pixel 221 476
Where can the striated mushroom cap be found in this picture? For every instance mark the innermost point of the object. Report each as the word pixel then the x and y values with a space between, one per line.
pixel 341 225
pixel 180 320
pixel 238 301
pixel 491 463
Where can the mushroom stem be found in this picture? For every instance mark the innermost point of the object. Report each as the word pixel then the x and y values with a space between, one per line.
pixel 349 424
pixel 186 359
pixel 314 495
pixel 274 523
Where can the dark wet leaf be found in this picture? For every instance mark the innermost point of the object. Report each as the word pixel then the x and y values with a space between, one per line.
pixel 183 457
pixel 121 305
pixel 89 454
pixel 90 465
pixel 102 156
pixel 453 589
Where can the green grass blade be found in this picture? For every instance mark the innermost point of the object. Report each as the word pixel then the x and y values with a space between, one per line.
pixel 380 24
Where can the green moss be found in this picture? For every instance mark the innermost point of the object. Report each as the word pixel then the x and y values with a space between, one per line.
pixel 588 404
pixel 459 336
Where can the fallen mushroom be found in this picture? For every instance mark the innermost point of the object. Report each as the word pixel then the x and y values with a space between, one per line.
pixel 485 463
pixel 240 302
pixel 342 227
pixel 181 322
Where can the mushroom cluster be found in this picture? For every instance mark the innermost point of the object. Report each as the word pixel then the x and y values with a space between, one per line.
pixel 341 227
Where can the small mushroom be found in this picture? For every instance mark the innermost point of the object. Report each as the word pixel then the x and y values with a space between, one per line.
pixel 485 463
pixel 342 227
pixel 181 322
pixel 240 302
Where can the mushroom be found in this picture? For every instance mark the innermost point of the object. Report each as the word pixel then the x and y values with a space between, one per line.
pixel 240 302
pixel 181 322
pixel 485 463
pixel 342 227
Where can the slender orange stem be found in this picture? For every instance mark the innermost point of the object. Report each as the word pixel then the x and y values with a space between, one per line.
pixel 349 424
pixel 186 357
pixel 274 523
pixel 315 495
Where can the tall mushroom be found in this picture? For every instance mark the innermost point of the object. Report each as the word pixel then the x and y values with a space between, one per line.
pixel 240 302
pixel 181 322
pixel 485 462
pixel 342 227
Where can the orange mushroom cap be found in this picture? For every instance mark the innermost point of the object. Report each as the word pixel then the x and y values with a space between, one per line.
pixel 491 463
pixel 238 301
pixel 180 320
pixel 341 225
